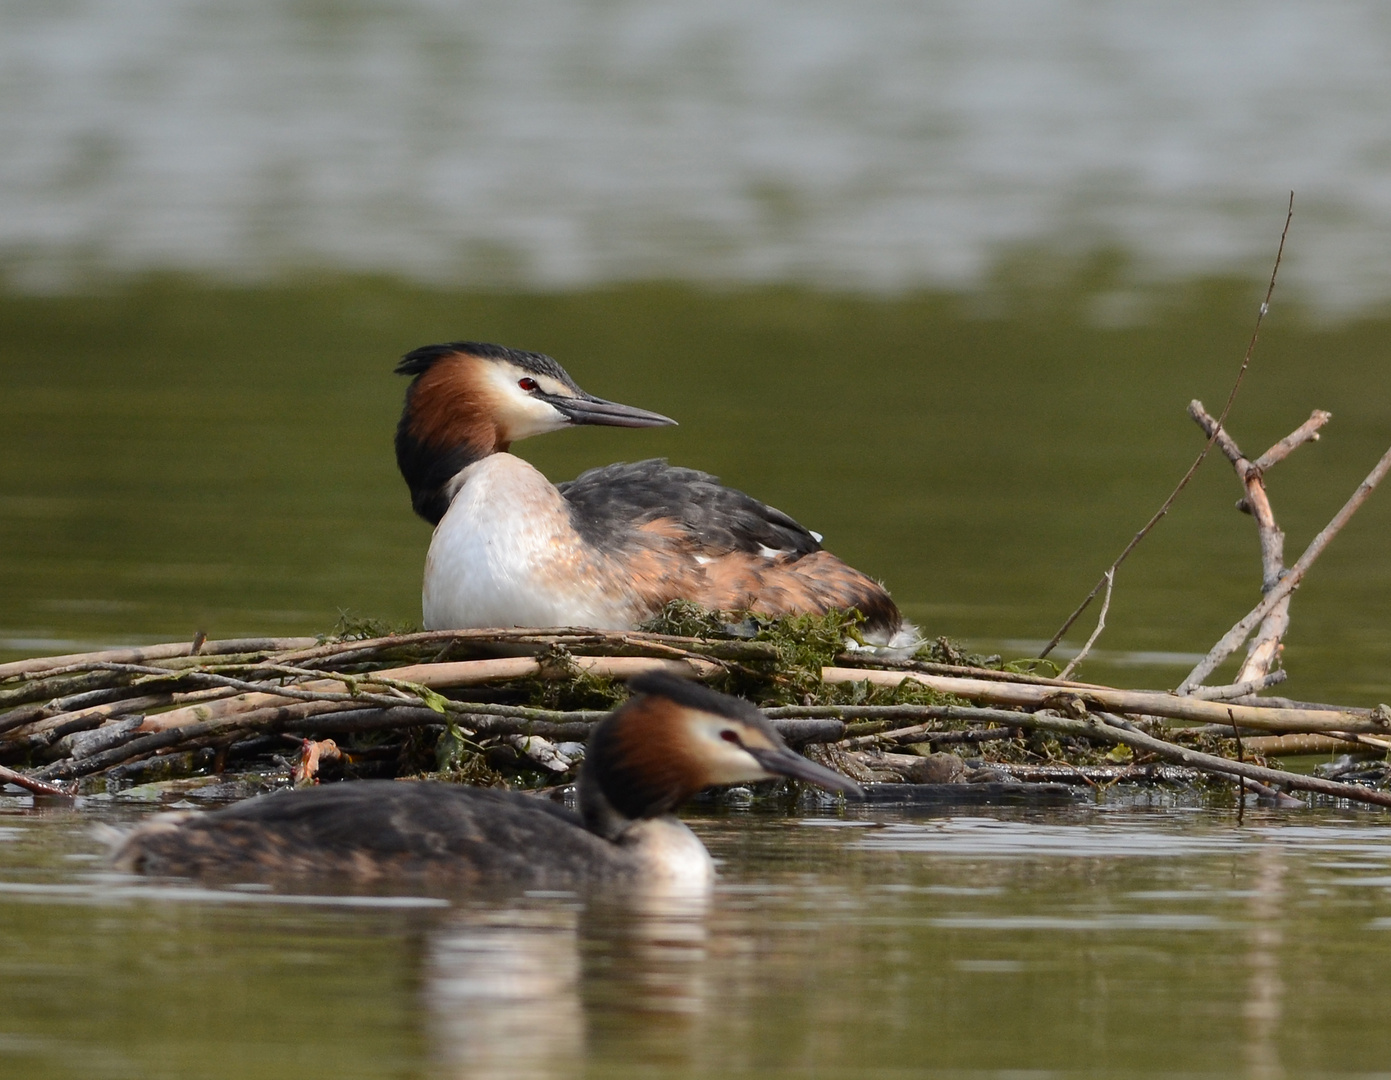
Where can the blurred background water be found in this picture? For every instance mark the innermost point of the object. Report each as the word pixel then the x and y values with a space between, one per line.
pixel 887 144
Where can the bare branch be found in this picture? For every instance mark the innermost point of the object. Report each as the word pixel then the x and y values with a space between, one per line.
pixel 1241 689
pixel 1306 432
pixel 1233 638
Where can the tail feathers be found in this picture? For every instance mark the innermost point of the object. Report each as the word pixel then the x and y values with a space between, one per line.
pixel 899 644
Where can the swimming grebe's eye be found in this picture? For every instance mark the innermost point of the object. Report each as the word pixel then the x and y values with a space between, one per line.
pixel 731 737
pixel 528 385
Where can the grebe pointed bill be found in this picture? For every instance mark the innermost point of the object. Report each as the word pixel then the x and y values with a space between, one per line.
pixel 672 739
pixel 609 549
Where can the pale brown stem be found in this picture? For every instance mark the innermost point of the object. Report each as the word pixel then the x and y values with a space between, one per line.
pixel 1066 672
pixel 1137 702
pixel 1306 432
pixel 1295 745
pixel 147 653
pixel 1233 638
pixel 1242 689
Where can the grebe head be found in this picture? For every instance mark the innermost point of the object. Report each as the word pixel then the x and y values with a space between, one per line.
pixel 675 738
pixel 469 399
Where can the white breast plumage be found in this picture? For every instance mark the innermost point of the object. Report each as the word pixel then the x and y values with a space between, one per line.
pixel 506 554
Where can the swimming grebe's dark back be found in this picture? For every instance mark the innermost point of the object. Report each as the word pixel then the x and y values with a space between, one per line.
pixel 668 742
pixel 609 549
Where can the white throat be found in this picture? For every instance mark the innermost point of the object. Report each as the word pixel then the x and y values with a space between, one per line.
pixel 506 554
pixel 668 851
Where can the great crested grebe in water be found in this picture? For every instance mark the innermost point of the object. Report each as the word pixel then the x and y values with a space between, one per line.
pixel 608 549
pixel 669 741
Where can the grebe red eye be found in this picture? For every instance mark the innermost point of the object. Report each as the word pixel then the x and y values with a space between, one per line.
pixel 731 736
pixel 528 385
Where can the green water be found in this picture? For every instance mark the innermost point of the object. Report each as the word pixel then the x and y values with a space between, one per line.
pixel 1118 941
pixel 176 456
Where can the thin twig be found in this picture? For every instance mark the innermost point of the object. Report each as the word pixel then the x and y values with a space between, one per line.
pixel 1169 502
pixel 1066 673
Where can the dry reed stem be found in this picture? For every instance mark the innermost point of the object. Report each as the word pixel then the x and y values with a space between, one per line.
pixel 142 655
pixel 1110 577
pixel 1139 702
pixel 859 659
pixel 1295 745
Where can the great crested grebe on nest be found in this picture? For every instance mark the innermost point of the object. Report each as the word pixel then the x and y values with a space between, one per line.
pixel 608 549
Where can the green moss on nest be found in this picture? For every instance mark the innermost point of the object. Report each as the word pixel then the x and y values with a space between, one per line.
pixel 574 688
pixel 683 618
pixel 351 627
pixel 946 651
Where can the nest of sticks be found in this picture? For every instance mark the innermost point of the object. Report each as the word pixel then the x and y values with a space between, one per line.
pixel 515 706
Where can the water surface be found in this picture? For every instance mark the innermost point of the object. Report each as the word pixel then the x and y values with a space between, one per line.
pixel 882 145
pixel 176 456
pixel 1127 940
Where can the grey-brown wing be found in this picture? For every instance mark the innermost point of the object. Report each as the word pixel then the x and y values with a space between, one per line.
pixel 609 502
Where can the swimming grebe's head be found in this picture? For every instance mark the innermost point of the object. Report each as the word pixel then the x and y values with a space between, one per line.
pixel 675 738
pixel 469 399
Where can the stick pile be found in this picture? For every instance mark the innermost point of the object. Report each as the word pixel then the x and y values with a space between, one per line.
pixel 389 704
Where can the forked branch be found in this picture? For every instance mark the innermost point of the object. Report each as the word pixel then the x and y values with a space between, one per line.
pixel 1233 638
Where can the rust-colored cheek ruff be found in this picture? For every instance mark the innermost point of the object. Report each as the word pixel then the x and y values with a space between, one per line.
pixel 452 405
pixel 646 766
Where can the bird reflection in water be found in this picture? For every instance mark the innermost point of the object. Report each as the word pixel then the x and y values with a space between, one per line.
pixel 531 991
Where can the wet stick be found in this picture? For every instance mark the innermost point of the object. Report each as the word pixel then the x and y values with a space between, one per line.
pixel 1108 729
pixel 31 783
